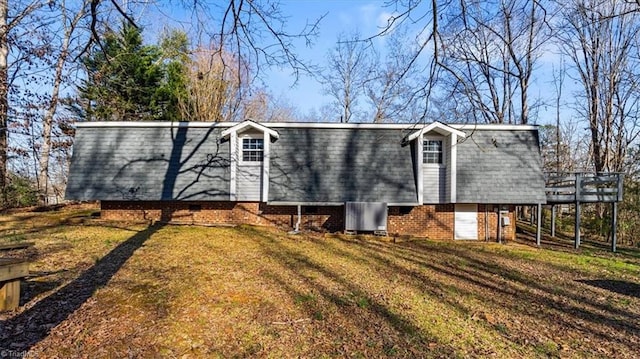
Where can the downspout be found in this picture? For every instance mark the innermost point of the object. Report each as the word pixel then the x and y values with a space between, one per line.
pixel 296 229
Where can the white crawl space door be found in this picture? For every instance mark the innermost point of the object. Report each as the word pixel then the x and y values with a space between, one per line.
pixel 466 221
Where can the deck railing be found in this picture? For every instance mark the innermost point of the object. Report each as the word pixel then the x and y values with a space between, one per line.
pixel 583 187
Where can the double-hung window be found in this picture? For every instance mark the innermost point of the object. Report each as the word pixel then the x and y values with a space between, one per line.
pixel 432 152
pixel 252 149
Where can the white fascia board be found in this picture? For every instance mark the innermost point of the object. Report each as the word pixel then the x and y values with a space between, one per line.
pixel 152 124
pixel 320 204
pixel 397 126
pixel 287 203
pixel 269 125
pixel 489 126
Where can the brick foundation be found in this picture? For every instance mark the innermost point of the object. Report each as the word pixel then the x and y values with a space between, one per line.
pixel 323 218
pixel 490 229
pixel 432 221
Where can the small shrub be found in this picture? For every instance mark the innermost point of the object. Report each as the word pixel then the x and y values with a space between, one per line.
pixel 21 192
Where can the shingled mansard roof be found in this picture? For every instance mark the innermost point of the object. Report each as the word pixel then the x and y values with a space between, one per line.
pixel 309 163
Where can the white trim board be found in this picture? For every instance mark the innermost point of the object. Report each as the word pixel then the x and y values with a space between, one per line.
pixel 270 125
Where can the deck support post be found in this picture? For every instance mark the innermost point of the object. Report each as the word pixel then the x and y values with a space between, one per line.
pixel 531 215
pixel 539 224
pixel 578 196
pixel 577 226
pixel 614 226
pixel 553 220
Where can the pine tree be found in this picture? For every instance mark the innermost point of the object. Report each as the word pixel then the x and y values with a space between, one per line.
pixel 124 78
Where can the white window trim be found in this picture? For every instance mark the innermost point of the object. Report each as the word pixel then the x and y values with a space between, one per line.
pixel 444 151
pixel 241 160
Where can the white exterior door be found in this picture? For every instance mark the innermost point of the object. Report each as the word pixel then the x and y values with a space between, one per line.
pixel 466 221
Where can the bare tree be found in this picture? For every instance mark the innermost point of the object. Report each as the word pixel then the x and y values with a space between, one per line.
pixel 69 20
pixel 347 72
pixel 603 50
pixel 255 31
pixel 488 52
pixel 392 87
pixel 214 87
pixel 10 18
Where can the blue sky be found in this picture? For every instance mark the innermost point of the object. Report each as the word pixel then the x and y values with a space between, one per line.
pixel 340 16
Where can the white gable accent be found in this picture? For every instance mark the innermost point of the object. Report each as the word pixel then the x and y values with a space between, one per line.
pixel 232 134
pixel 449 152
pixel 437 127
pixel 252 124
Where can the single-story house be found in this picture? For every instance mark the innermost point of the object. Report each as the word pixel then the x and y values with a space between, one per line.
pixel 435 180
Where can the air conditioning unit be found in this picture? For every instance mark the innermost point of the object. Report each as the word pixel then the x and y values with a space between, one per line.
pixel 366 217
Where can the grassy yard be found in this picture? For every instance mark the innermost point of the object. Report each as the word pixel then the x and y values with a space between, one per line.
pixel 101 290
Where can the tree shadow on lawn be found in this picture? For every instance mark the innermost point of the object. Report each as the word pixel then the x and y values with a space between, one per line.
pixel 18 334
pixel 565 243
pixel 519 293
pixel 24 226
pixel 616 286
pixel 566 309
pixel 354 305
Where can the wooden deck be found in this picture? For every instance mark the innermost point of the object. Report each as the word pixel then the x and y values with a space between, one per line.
pixel 580 187
pixel 584 188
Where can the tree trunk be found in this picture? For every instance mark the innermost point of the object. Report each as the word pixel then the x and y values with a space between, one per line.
pixel 4 99
pixel 47 121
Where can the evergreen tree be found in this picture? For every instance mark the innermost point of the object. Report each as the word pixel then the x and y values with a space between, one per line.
pixel 124 79
pixel 174 47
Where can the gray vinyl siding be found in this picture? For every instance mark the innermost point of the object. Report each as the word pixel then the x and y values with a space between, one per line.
pixel 249 182
pixel 158 163
pixel 341 165
pixel 500 167
pixel 434 178
pixel 307 164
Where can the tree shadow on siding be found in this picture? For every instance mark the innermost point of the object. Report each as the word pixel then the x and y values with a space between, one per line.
pixel 18 334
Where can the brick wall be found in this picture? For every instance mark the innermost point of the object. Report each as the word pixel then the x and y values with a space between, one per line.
pixel 323 218
pixel 432 221
pixel 488 230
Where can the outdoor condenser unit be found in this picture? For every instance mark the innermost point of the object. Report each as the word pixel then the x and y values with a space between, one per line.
pixel 365 216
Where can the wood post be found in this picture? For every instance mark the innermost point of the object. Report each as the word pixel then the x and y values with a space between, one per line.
pixel 553 220
pixel 9 295
pixel 539 224
pixel 577 222
pixel 614 226
pixel 577 226
pixel 531 216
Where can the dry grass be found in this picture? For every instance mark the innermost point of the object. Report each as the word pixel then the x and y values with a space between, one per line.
pixel 179 291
